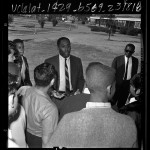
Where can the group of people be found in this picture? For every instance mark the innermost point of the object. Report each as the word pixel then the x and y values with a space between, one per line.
pixel 66 109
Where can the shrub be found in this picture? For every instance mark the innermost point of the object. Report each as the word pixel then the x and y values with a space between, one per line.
pixel 54 22
pixel 132 31
pixel 41 21
pixel 123 30
pixel 99 29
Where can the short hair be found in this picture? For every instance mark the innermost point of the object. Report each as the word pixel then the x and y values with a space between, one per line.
pixel 18 41
pixel 11 45
pixel 130 45
pixel 99 76
pixel 43 74
pixel 61 39
pixel 12 82
pixel 136 81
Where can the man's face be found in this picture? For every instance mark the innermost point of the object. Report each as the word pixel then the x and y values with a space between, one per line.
pixel 129 51
pixel 20 48
pixel 64 48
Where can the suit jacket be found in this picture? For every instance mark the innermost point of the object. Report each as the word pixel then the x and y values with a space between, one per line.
pixel 26 81
pixel 119 65
pixel 73 103
pixel 77 79
pixel 95 128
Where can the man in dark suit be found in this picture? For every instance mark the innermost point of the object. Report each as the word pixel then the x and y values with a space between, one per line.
pixel 22 63
pixel 126 67
pixel 69 68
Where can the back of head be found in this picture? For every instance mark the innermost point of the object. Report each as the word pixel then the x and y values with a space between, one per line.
pixel 43 74
pixel 99 76
pixel 136 85
pixel 14 70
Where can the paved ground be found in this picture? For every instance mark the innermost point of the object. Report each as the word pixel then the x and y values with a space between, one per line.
pixel 89 46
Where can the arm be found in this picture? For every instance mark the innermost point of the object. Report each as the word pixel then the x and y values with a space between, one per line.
pixel 49 124
pixel 80 83
pixel 114 64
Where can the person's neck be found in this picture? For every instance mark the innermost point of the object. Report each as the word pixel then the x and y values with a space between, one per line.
pixel 42 89
pixel 97 97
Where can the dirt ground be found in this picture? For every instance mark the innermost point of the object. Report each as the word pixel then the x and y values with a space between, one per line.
pixel 89 46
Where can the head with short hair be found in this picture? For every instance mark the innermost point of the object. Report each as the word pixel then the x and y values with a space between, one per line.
pixel 135 85
pixel 13 81
pixel 19 45
pixel 14 70
pixel 99 77
pixel 44 74
pixel 129 50
pixel 11 51
pixel 64 46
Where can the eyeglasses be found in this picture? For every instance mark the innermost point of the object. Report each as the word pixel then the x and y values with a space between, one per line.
pixel 128 51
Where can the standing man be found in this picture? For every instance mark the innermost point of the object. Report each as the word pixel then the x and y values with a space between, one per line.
pixel 70 71
pixel 126 67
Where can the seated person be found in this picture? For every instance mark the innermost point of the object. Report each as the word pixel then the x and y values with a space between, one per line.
pixel 97 125
pixel 41 112
pixel 135 105
pixel 16 113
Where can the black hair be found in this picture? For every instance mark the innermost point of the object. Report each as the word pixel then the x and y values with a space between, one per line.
pixel 12 82
pixel 136 81
pixel 62 38
pixel 18 41
pixel 130 45
pixel 43 74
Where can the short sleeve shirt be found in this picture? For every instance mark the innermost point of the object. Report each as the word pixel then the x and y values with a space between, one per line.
pixel 42 113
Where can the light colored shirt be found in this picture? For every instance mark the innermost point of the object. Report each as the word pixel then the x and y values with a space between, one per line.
pixel 129 67
pixel 23 68
pixel 62 85
pixel 18 129
pixel 98 105
pixel 42 113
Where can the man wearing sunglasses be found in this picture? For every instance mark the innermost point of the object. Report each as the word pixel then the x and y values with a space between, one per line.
pixel 126 67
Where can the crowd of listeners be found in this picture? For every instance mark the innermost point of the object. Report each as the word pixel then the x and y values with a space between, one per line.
pixel 65 109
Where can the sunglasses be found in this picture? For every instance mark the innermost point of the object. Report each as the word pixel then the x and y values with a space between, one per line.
pixel 128 51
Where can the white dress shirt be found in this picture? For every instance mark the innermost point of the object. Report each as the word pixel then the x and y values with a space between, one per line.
pixel 23 68
pixel 129 67
pixel 98 105
pixel 62 85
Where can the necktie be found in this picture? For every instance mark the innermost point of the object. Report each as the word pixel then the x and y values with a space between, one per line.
pixel 125 77
pixel 67 77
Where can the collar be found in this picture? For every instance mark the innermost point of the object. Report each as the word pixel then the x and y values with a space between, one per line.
pixel 98 105
pixel 127 57
pixel 62 58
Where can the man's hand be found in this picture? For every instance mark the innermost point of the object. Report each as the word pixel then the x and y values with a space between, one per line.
pixel 77 92
pixel 57 94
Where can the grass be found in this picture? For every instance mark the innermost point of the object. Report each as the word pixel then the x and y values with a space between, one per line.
pixel 88 46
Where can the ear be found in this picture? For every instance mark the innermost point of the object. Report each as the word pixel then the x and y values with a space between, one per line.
pixel 138 92
pixel 109 90
pixel 52 82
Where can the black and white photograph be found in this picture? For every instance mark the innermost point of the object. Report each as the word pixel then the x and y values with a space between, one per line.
pixel 75 79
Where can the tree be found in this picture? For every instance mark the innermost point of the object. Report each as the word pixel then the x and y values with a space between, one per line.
pixel 110 24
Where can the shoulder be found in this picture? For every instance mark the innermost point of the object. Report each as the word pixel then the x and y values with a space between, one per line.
pixel 75 58
pixel 52 58
pixel 134 58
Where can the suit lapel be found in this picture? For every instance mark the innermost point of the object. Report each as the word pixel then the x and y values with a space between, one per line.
pixel 72 68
